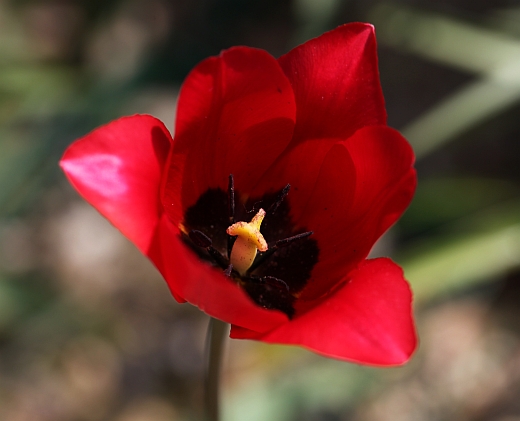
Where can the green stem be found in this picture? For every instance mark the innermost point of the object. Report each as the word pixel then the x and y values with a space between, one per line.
pixel 217 331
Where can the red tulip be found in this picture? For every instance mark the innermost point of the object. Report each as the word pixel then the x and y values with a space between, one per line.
pixel 248 126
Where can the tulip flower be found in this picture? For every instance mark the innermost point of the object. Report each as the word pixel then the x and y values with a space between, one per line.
pixel 263 208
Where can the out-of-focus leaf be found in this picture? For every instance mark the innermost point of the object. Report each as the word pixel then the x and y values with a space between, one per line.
pixel 465 108
pixel 36 91
pixel 493 56
pixel 443 200
pixel 477 249
pixel 445 39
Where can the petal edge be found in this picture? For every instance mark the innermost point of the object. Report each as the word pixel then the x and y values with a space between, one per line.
pixel 117 168
pixel 368 320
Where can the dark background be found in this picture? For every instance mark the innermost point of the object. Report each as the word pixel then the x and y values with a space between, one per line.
pixel 88 329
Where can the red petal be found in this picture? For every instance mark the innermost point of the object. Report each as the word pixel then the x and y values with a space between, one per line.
pixel 117 168
pixel 367 320
pixel 364 185
pixel 236 114
pixel 385 177
pixel 335 79
pixel 204 286
pixel 299 166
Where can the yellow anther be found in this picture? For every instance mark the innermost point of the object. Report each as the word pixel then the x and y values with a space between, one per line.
pixel 249 240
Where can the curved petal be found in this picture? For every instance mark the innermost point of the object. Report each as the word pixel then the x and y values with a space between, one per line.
pixel 236 114
pixel 117 168
pixel 366 320
pixel 202 285
pixel 335 79
pixel 383 158
pixel 365 184
pixel 299 166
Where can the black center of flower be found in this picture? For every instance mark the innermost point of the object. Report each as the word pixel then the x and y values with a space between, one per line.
pixel 276 276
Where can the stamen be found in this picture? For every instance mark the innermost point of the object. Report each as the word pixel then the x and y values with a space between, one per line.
pixel 219 259
pixel 231 211
pixel 231 199
pixel 285 191
pixel 202 240
pixel 287 241
pixel 256 207
pixel 228 271
pixel 276 282
pixel 279 244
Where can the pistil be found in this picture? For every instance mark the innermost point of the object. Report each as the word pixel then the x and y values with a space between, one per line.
pixel 249 241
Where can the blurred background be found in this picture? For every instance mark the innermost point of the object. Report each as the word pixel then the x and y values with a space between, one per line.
pixel 88 329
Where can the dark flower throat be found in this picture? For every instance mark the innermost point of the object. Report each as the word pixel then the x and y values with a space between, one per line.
pixel 278 275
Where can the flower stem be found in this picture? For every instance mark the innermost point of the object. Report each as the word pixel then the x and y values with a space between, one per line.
pixel 215 337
